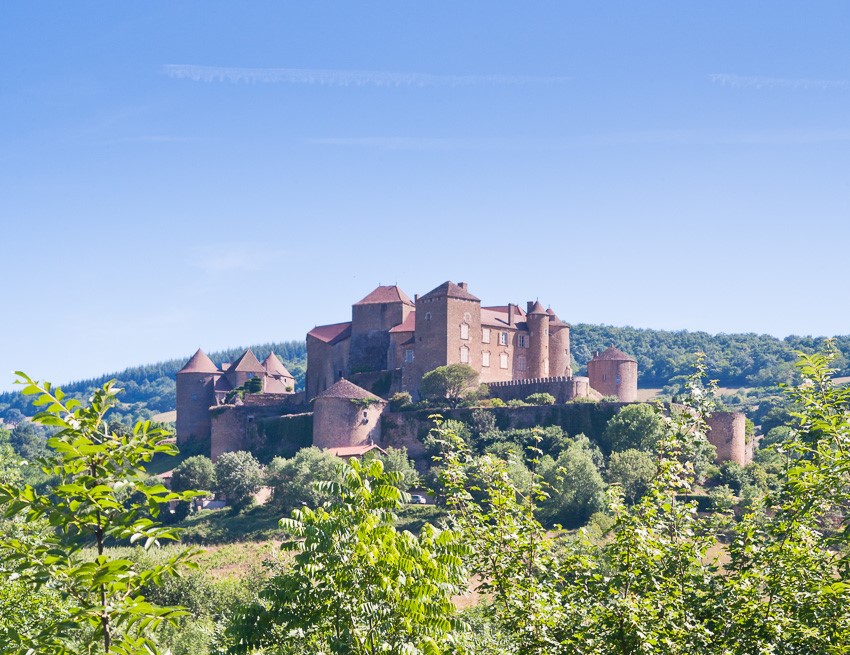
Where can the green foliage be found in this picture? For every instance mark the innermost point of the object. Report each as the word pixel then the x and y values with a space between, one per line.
pixel 574 485
pixel 396 461
pixel 99 475
pixel 400 401
pixel 633 470
pixel 196 472
pixel 540 399
pixel 448 383
pixel 357 585
pixel 295 480
pixel 637 426
pixel 238 477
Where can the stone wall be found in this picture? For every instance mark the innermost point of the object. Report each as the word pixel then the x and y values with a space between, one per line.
pixel 563 388
pixel 380 383
pixel 239 427
pixel 340 422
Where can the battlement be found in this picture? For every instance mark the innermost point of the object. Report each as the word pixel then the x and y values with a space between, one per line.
pixel 562 387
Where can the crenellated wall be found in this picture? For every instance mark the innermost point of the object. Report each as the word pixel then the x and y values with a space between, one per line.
pixel 563 388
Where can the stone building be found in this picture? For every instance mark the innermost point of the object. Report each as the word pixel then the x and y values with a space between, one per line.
pixel 345 415
pixel 201 385
pixel 392 334
pixel 614 373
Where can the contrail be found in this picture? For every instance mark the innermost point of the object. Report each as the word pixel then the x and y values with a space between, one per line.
pixel 330 77
pixel 758 82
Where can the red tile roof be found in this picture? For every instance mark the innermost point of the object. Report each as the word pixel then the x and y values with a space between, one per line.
pixel 274 366
pixel 537 308
pixel 408 325
pixel 449 290
pixel 199 363
pixel 355 451
pixel 385 294
pixel 331 333
pixel 614 353
pixel 247 363
pixel 348 390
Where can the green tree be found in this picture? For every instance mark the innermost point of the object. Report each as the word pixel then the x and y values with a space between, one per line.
pixel 634 426
pixel 95 469
pixel 397 461
pixel 295 479
pixel 633 470
pixel 196 472
pixel 358 586
pixel 448 383
pixel 575 486
pixel 238 477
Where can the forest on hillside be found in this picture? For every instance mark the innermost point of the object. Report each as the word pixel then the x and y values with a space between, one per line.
pixel 664 357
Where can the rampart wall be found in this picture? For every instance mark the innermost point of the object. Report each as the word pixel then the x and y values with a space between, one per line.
pixel 563 388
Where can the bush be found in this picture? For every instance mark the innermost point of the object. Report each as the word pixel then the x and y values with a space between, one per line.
pixel 634 426
pixel 633 470
pixel 294 479
pixel 576 488
pixel 238 477
pixel 197 472
pixel 540 399
pixel 400 401
pixel 448 383
pixel 517 403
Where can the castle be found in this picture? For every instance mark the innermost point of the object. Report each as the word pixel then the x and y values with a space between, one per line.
pixel 389 344
pixel 396 340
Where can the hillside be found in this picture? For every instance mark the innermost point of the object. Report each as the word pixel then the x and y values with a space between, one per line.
pixel 735 360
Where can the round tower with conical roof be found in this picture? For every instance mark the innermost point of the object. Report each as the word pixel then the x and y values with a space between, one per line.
pixel 614 373
pixel 347 415
pixel 560 360
pixel 538 341
pixel 195 396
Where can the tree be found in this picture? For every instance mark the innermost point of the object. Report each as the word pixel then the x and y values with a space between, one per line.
pixel 358 586
pixel 397 461
pixel 633 470
pixel 196 472
pixel 95 470
pixel 634 426
pixel 295 479
pixel 238 477
pixel 575 486
pixel 448 383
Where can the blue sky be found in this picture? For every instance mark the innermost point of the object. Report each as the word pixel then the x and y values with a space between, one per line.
pixel 175 175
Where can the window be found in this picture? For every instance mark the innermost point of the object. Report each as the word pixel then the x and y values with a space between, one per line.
pixel 427 316
pixel 522 341
pixel 485 358
pixel 618 380
pixel 503 338
pixel 485 335
pixel 464 331
pixel 520 362
pixel 464 355
pixel 503 360
pixel 408 356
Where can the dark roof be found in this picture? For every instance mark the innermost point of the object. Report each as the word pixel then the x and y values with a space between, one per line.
pixel 614 353
pixel 383 295
pixel 537 308
pixel 199 363
pixel 449 290
pixel 274 366
pixel 407 325
pixel 247 363
pixel 348 390
pixel 331 333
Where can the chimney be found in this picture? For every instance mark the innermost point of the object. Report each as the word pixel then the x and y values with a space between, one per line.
pixel 528 306
pixel 510 313
pixel 463 285
pixel 415 298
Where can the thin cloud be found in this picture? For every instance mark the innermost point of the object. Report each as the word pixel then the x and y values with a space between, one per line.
pixel 683 138
pixel 229 258
pixel 331 77
pixel 759 82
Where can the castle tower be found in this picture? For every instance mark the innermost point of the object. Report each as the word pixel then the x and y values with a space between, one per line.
pixel 560 359
pixel 447 329
pixel 195 395
pixel 244 368
pixel 538 336
pixel 614 373
pixel 372 318
pixel 346 415
pixel 277 378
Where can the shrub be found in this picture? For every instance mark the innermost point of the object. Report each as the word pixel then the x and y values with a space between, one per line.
pixel 238 477
pixel 516 403
pixel 448 383
pixel 400 401
pixel 540 399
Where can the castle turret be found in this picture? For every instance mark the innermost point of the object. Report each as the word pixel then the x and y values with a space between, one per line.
pixel 560 359
pixel 538 337
pixel 347 415
pixel 614 373
pixel 195 395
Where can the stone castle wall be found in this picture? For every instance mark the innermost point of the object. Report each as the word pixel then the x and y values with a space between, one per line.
pixel 563 388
